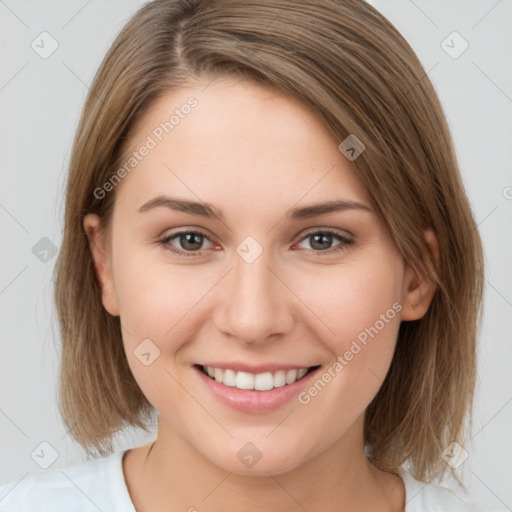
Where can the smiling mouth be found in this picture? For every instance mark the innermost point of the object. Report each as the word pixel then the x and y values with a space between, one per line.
pixel 259 382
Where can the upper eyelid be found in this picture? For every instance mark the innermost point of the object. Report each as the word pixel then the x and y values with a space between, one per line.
pixel 307 233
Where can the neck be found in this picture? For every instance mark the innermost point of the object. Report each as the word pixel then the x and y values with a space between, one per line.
pixel 170 474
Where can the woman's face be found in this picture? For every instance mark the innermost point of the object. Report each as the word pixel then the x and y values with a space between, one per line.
pixel 268 283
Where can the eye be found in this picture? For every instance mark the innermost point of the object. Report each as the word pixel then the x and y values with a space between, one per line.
pixel 190 241
pixel 321 241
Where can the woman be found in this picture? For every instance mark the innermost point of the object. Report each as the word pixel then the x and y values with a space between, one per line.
pixel 268 243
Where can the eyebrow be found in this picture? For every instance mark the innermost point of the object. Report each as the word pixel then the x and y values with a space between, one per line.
pixel 209 211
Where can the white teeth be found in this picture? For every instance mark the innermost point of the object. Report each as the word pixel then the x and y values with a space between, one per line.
pixel 279 378
pixel 244 380
pixel 263 381
pixel 260 382
pixel 291 376
pixel 229 378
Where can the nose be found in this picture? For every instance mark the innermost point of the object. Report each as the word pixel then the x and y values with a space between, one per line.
pixel 255 305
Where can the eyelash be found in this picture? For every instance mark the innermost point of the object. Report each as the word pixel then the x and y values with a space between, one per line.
pixel 164 242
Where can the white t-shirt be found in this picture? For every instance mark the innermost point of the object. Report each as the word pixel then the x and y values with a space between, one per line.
pixel 99 484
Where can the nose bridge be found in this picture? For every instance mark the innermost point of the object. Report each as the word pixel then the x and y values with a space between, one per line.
pixel 254 301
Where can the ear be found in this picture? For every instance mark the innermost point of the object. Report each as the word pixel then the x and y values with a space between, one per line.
pixel 102 262
pixel 418 290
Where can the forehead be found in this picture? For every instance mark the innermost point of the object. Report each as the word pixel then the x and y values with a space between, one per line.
pixel 236 143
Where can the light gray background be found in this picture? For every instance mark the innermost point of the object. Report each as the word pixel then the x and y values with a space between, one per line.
pixel 40 102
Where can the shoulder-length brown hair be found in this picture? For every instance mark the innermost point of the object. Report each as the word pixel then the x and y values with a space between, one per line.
pixel 350 65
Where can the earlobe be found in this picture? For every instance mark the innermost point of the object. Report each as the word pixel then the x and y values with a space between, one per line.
pixel 419 287
pixel 102 264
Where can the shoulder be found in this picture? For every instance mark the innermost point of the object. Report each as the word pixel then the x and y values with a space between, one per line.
pixel 97 484
pixel 420 497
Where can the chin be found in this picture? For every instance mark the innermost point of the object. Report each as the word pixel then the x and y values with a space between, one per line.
pixel 261 464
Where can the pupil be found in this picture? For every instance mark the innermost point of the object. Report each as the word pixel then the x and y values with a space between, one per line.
pixel 190 240
pixel 317 239
pixel 193 241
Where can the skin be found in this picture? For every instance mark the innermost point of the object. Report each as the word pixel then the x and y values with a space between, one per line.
pixel 253 153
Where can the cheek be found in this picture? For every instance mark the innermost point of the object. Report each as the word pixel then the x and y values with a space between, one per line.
pixel 154 295
pixel 164 301
pixel 362 311
pixel 371 309
pixel 160 302
pixel 159 306
pixel 349 300
pixel 359 307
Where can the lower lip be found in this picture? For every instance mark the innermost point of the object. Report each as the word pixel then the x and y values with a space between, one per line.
pixel 252 401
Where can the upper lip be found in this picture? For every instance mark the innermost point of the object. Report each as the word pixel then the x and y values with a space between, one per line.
pixel 262 368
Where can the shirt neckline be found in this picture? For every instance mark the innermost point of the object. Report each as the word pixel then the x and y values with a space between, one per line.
pixel 122 501
pixel 120 496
